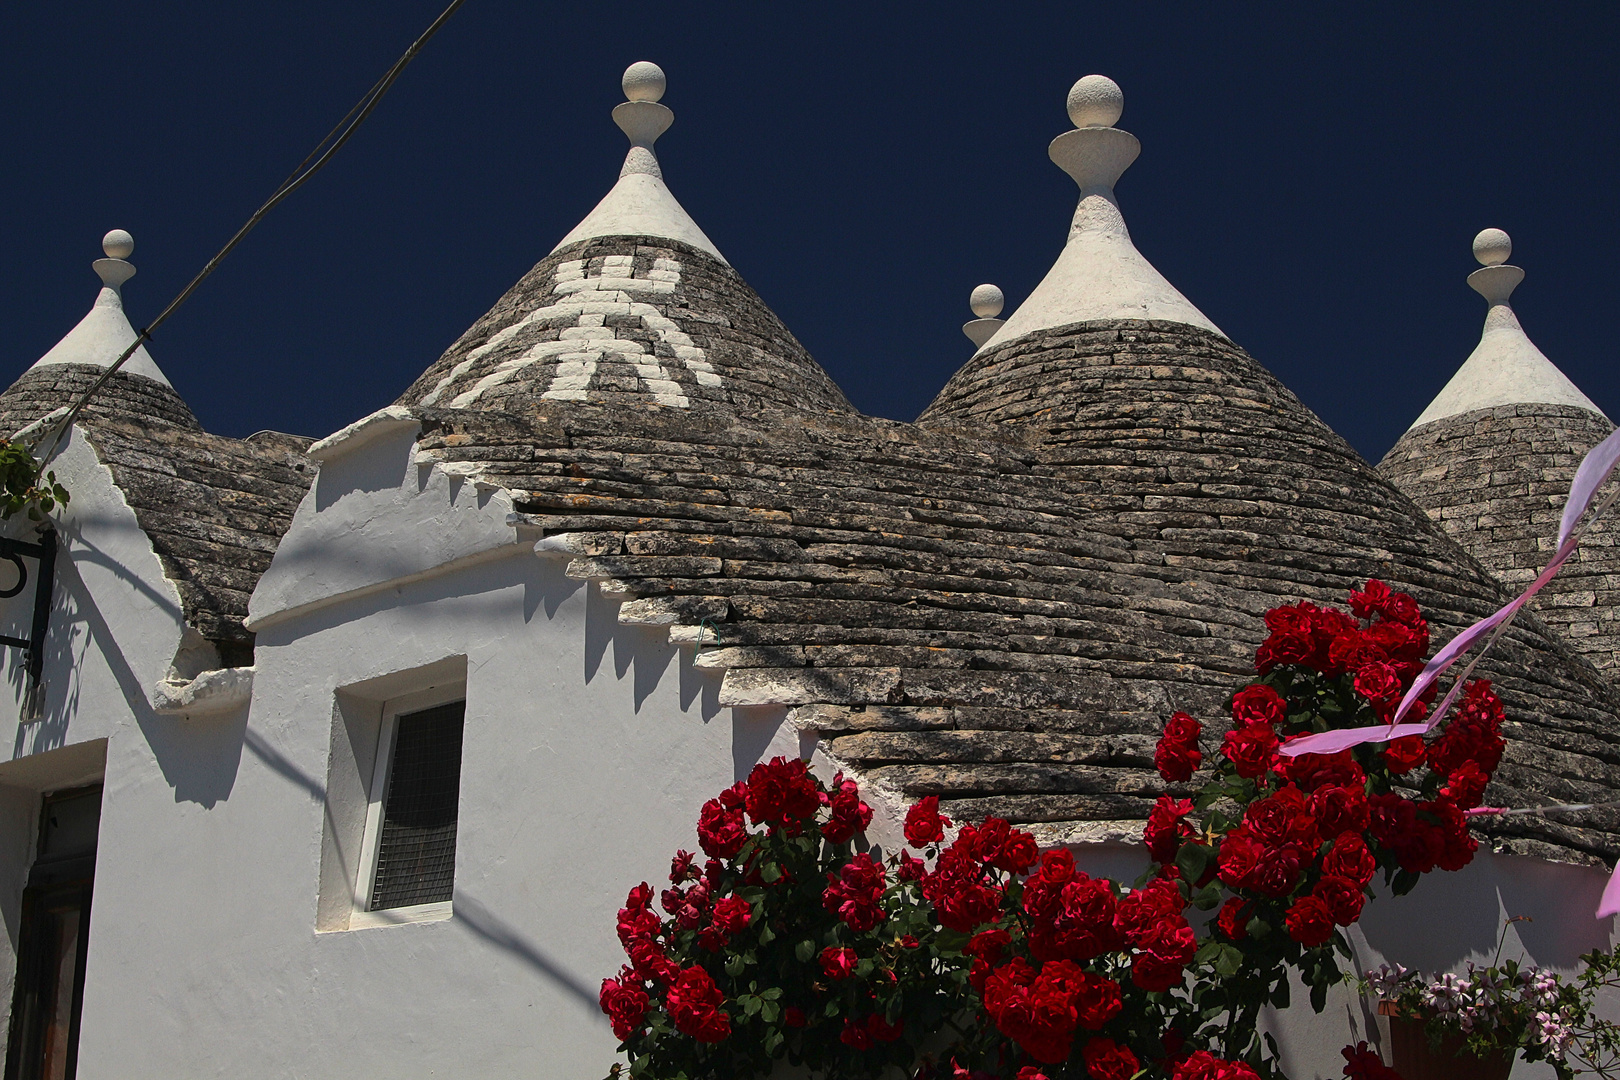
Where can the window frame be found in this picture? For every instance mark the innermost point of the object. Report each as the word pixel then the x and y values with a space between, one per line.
pixel 377 795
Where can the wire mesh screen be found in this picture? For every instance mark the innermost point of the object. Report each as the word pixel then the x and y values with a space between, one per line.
pixel 416 853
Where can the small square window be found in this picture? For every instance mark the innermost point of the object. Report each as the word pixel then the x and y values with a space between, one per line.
pixel 408 857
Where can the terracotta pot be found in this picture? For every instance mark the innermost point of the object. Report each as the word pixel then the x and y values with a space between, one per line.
pixel 1415 1059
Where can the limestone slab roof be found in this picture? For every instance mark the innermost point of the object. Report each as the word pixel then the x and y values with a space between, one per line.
pixel 1001 604
pixel 213 507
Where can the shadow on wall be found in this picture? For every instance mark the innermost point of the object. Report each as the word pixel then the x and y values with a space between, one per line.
pixel 642 653
pixel 485 924
pixel 1450 917
pixel 372 470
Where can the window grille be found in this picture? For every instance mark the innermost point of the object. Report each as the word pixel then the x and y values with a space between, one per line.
pixel 416 848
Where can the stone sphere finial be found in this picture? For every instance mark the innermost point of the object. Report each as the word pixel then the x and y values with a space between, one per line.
pixel 986 301
pixel 1096 101
pixel 118 244
pixel 1492 247
pixel 643 81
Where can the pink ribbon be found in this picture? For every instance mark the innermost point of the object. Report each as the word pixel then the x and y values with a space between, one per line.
pixel 1594 470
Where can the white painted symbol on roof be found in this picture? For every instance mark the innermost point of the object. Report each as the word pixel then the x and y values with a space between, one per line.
pixel 582 305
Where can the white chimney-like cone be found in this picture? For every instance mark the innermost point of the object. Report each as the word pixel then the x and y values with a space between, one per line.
pixel 640 204
pixel 1100 274
pixel 1505 368
pixel 105 332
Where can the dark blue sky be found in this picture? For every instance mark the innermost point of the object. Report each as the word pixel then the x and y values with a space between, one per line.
pixel 1311 177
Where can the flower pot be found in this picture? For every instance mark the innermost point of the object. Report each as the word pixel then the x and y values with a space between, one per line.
pixel 1415 1059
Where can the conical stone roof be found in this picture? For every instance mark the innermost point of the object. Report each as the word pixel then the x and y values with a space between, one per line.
pixel 1000 604
pixel 636 308
pixel 1491 460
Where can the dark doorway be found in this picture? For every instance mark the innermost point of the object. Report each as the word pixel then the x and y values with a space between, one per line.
pixel 45 1004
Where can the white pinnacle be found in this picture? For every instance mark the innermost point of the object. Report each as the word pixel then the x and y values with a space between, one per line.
pixel 1100 274
pixel 986 302
pixel 1505 368
pixel 640 204
pixel 103 334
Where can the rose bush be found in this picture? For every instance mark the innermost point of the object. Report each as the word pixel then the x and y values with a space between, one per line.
pixel 981 956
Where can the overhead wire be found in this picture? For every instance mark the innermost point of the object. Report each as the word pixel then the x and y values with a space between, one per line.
pixel 312 164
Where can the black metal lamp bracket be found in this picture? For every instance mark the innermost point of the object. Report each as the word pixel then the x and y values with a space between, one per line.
pixel 44 555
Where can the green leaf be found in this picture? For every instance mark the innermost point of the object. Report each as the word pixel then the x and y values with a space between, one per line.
pixel 804 951
pixel 1193 859
pixel 1230 960
pixel 766 935
pixel 770 872
pixel 770 1011
pixel 734 965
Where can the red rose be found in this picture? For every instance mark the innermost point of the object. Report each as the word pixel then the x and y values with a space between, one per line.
pixel 1166 828
pixel 1097 1001
pixel 626 1006
pixel 1240 854
pixel 1033 1010
pixel 957 891
pixel 794 1017
pixel 1379 683
pixel 1465 787
pixel 1030 1072
pixel 1349 858
pixel 854 892
pixel 1073 920
pixel 1177 756
pixel 1457 846
pixel 986 949
pixel 1250 750
pixel 1289 620
pixel 1473 733
pixel 1143 909
pixel 838 963
pixel 1017 854
pixel 721 832
pixel 855 1036
pixel 1164 953
pixel 1278 871
pixel 1057 866
pixel 1369 601
pixel 1233 921
pixel 1339 809
pixel 694 1004
pixel 1283 649
pixel 1283 817
pixel 924 825
pixel 1342 896
pixel 1258 704
pixel 1311 771
pixel 1202 1065
pixel 650 963
pixel 1107 1060
pixel 732 914
pixel 1363 1064
pixel 1401 608
pixel 1353 649
pixel 681 868
pixel 781 793
pixel 1402 755
pixel 1309 921
pixel 849 814
pixel 882 1031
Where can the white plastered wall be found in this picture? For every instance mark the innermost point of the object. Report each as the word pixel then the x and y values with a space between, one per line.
pixel 115 626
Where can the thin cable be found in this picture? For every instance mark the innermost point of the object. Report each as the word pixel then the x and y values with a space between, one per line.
pixel 332 143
